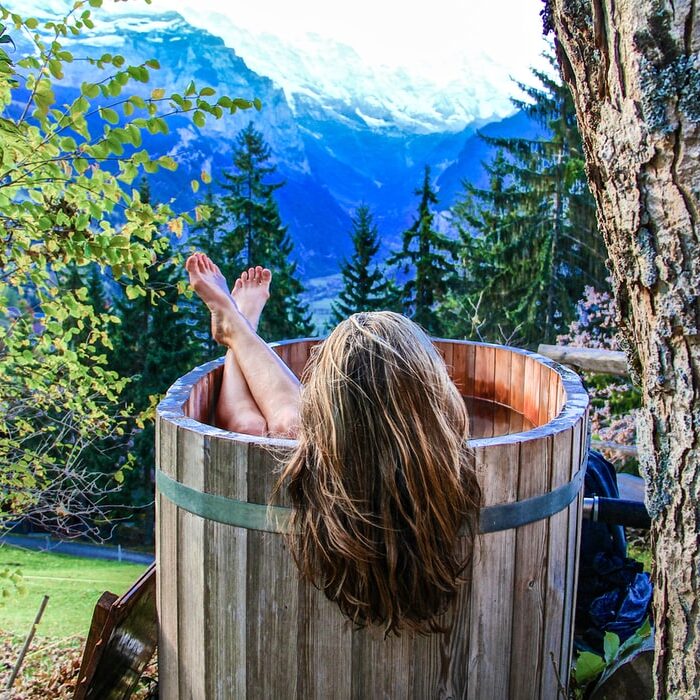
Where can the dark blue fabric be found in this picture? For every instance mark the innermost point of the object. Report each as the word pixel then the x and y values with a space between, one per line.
pixel 614 594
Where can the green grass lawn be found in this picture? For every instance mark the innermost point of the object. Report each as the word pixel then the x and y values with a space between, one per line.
pixel 73 584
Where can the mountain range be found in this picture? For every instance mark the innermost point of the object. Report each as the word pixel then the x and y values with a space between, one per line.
pixel 334 149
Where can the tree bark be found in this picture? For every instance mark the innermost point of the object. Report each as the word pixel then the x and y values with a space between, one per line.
pixel 633 68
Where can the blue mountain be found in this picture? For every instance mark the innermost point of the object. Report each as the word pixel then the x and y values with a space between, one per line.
pixel 330 158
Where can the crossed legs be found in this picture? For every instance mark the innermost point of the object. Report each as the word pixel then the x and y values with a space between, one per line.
pixel 259 393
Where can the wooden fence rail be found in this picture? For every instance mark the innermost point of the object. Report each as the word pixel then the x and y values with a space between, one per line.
pixel 589 359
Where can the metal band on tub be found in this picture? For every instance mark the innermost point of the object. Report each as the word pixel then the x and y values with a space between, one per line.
pixel 256 516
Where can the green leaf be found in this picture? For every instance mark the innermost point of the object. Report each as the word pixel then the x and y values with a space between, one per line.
pixel 153 63
pixel 588 667
pixel 257 104
pixel 207 92
pixel 56 69
pixel 68 143
pixel 119 242
pixel 190 89
pixel 636 640
pixel 80 165
pixel 90 90
pixel 167 162
pixel 195 185
pixel 109 115
pixel 138 73
pixel 157 94
pixel 80 106
pixel 199 119
pixel 611 643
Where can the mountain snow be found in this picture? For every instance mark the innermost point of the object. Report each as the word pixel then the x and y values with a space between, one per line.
pixel 329 74
pixel 335 76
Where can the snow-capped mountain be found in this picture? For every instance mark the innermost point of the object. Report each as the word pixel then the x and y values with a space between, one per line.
pixel 340 135
pixel 336 78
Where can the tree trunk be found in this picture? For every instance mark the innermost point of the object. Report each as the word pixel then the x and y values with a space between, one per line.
pixel 632 66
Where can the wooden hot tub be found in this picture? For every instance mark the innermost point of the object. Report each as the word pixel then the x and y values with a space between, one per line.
pixel 235 622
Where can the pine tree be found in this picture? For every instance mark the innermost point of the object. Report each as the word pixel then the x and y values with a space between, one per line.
pixel 364 289
pixel 424 255
pixel 529 243
pixel 247 230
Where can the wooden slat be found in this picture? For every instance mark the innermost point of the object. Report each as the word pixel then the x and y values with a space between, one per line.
pixel 324 653
pixel 462 355
pixel 588 359
pixel 447 352
pixel 484 367
pixel 454 644
pixel 271 598
pixel 191 566
pixel 381 668
pixel 502 385
pixel 167 536
pixel 543 412
pixel 492 589
pixel 226 554
pixel 554 406
pixel 503 417
pixel 557 564
pixel 427 658
pixel 530 577
pixel 298 357
pixel 517 382
pixel 531 390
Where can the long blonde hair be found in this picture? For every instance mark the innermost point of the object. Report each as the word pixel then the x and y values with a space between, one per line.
pixel 381 481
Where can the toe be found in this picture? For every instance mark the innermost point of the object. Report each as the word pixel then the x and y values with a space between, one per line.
pixel 266 275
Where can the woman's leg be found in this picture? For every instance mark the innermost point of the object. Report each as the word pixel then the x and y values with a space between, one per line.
pixel 273 386
pixel 236 409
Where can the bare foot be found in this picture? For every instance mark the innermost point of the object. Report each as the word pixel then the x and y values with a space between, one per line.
pixel 210 286
pixel 251 292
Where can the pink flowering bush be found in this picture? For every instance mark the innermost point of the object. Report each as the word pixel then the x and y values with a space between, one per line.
pixel 614 400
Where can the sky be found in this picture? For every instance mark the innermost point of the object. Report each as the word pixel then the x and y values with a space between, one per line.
pixel 422 37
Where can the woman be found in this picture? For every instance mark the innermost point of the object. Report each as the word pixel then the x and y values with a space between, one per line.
pixel 381 481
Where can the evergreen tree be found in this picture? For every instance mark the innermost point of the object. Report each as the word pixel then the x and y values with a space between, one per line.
pixel 364 289
pixel 529 243
pixel 247 230
pixel 424 255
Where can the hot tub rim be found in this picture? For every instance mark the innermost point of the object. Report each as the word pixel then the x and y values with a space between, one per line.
pixel 171 406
